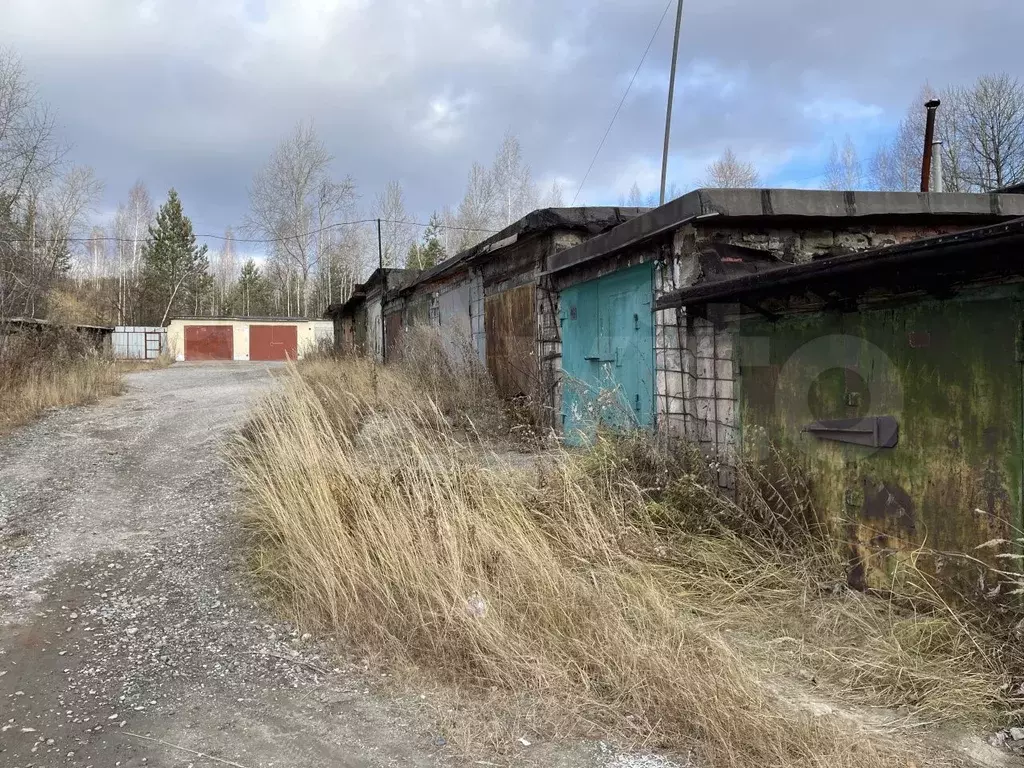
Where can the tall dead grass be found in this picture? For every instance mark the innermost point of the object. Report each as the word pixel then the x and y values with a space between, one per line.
pixel 601 585
pixel 50 369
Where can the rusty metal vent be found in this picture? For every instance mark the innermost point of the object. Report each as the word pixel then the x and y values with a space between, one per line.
pixel 872 432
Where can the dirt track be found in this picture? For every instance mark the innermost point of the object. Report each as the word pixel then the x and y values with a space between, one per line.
pixel 125 607
pixel 127 612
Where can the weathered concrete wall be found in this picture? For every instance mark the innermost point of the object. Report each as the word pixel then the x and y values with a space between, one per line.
pixel 374 329
pixel 696 373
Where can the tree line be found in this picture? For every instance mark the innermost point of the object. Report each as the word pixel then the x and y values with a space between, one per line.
pixel 146 265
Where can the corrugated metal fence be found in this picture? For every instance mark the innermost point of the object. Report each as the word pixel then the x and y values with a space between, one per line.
pixel 137 342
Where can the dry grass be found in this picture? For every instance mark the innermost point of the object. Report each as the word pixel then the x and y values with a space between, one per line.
pixel 587 589
pixel 52 369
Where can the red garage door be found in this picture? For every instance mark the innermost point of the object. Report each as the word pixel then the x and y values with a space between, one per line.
pixel 273 342
pixel 209 342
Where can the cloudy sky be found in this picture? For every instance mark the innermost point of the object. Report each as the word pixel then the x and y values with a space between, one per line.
pixel 196 93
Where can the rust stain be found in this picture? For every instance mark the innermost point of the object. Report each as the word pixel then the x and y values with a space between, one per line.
pixel 888 503
pixel 511 341
pixel 394 332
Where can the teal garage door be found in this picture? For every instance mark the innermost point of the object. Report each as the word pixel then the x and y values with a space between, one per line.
pixel 608 354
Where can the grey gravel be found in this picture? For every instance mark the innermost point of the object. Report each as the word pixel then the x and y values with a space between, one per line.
pixel 128 614
pixel 126 605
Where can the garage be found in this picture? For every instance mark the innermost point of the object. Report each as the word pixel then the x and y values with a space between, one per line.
pixel 241 339
pixel 209 342
pixel 273 342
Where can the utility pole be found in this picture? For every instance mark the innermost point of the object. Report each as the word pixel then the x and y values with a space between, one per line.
pixel 383 291
pixel 671 95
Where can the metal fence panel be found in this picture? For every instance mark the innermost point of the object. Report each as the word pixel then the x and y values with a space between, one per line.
pixel 139 342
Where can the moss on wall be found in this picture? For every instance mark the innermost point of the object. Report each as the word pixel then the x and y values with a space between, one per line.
pixel 947 370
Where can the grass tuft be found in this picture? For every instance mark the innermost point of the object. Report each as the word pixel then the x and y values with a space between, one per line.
pixel 610 589
pixel 51 368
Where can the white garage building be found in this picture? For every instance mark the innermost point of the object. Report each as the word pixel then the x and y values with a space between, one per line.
pixel 246 338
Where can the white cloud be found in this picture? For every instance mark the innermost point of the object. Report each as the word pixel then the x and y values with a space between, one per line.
pixel 195 93
pixel 445 119
pixel 840 110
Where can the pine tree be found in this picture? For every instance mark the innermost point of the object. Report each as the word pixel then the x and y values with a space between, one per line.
pixel 251 290
pixel 432 251
pixel 412 258
pixel 172 259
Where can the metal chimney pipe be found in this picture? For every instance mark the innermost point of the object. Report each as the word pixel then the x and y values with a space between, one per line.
pixel 929 136
pixel 937 166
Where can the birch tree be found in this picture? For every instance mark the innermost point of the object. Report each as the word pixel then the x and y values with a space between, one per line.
pixel 56 216
pixel 29 160
pixel 224 272
pixel 555 197
pixel 513 184
pixel 636 197
pixel 131 233
pixel 478 209
pixel 294 201
pixel 842 172
pixel 397 233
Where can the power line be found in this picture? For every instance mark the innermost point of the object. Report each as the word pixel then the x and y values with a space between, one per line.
pixel 336 225
pixel 623 101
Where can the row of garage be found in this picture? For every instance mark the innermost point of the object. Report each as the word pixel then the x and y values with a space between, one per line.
pixel 248 338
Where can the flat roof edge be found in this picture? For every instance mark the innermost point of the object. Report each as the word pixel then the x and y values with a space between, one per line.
pixel 783 278
pixel 753 204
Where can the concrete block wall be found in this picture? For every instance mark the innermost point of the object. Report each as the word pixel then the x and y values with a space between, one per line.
pixel 549 349
pixel 711 410
pixel 476 316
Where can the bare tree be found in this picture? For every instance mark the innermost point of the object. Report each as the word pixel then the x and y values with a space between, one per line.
pixel 896 165
pixel 450 235
pixel 131 233
pixel 477 211
pixel 513 183
pixel 96 254
pixel 991 114
pixel 636 197
pixel 294 202
pixel 56 216
pixel 729 171
pixel 397 232
pixel 982 131
pixel 842 172
pixel 555 197
pixel 225 271
pixel 29 153
pixel 29 157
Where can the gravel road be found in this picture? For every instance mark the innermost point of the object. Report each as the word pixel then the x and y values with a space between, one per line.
pixel 130 632
pixel 126 610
